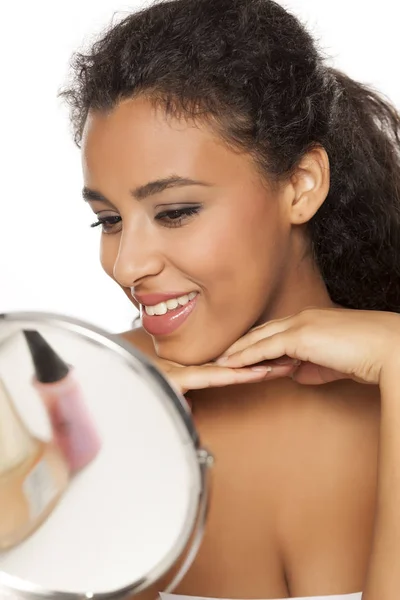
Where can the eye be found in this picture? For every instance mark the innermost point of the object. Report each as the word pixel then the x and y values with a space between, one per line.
pixel 109 223
pixel 176 217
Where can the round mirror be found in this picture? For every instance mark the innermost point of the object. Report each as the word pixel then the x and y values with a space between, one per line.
pixel 103 483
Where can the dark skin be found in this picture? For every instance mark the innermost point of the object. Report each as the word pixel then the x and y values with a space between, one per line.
pixel 295 475
pixel 294 483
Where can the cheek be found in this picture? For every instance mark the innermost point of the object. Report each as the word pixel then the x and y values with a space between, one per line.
pixel 233 246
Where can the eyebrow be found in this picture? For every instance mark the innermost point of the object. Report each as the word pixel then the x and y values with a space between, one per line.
pixel 147 190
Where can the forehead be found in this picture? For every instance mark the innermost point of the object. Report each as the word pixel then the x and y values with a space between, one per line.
pixel 137 139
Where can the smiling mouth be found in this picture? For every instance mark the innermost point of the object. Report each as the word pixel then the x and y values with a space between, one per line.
pixel 165 317
pixel 162 308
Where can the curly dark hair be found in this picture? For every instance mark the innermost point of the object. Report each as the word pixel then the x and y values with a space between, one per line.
pixel 253 71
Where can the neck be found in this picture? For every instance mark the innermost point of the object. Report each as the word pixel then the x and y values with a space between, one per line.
pixel 301 287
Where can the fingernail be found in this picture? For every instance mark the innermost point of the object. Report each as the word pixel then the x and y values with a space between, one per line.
pixel 285 361
pixel 262 369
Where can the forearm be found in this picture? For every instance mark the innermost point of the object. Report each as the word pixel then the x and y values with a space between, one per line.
pixel 383 579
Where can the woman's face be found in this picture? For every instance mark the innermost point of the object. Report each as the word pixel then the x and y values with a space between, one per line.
pixel 187 220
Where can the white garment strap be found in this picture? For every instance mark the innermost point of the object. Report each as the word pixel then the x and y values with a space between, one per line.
pixel 341 597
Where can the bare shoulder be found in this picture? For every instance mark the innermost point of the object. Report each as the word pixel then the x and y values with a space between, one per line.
pixel 141 340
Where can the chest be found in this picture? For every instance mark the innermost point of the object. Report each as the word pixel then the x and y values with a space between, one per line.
pixel 292 499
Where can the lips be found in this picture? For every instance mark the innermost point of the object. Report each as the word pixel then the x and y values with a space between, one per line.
pixel 159 325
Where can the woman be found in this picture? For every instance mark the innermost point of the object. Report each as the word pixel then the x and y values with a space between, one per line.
pixel 239 181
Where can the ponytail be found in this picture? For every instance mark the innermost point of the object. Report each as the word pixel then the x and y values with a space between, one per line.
pixel 356 234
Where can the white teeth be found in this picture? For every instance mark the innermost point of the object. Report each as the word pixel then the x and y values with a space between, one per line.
pixel 172 304
pixel 160 309
pixel 163 307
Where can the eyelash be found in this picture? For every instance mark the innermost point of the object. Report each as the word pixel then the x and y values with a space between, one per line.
pixel 173 218
pixel 106 222
pixel 180 215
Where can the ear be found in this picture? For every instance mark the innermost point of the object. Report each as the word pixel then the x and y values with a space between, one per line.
pixel 309 186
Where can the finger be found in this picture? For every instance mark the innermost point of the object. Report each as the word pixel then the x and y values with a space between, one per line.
pixel 259 333
pixel 311 374
pixel 265 349
pixel 195 378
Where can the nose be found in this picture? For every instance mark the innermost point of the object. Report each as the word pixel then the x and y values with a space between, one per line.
pixel 138 258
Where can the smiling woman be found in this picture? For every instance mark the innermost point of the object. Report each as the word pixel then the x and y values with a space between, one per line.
pixel 238 179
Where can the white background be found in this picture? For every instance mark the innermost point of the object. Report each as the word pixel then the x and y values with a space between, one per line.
pixel 48 253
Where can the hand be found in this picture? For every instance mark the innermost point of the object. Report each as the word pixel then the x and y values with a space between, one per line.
pixel 330 343
pixel 183 378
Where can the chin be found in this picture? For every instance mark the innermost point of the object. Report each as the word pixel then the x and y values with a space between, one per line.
pixel 187 354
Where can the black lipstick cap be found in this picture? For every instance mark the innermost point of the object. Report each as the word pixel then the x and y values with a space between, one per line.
pixel 49 367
